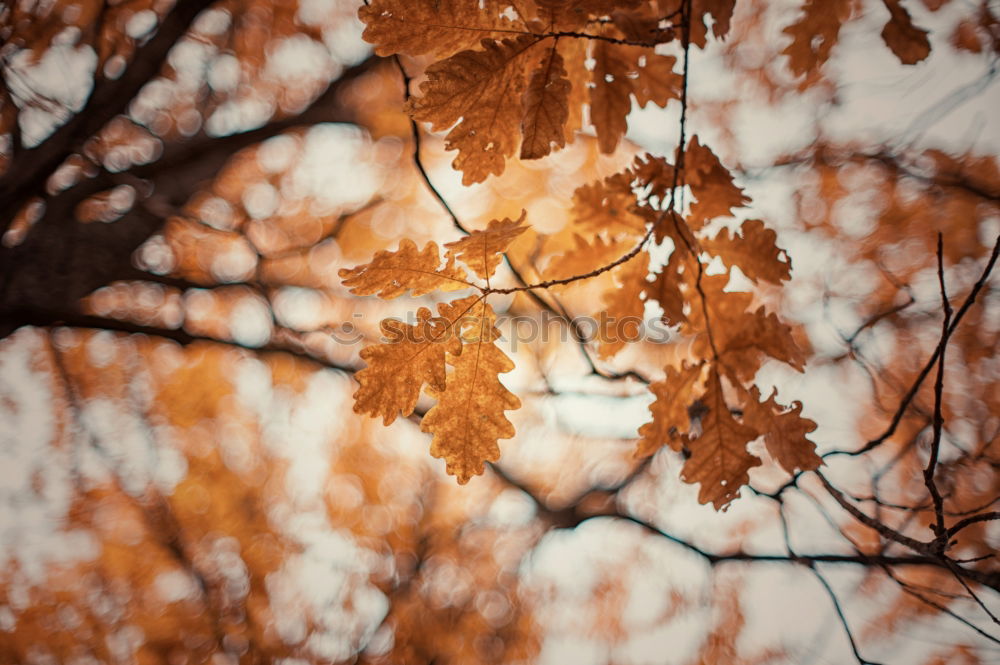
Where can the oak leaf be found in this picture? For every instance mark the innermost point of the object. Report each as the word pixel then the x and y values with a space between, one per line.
pixel 546 107
pixel 815 34
pixel 391 274
pixel 784 431
pixel 670 410
pixel 711 184
pixel 607 205
pixel 586 256
pixel 438 27
pixel 908 42
pixel 754 251
pixel 478 95
pixel 396 371
pixel 756 333
pixel 619 72
pixel 670 285
pixel 469 417
pixel 719 459
pixel 483 250
pixel 721 12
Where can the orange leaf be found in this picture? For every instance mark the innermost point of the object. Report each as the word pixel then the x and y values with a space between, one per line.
pixel 606 205
pixel 670 410
pixel 396 371
pixel 545 107
pixel 438 27
pixel 784 431
pixel 391 274
pixel 908 42
pixel 755 253
pixel 667 285
pixel 469 417
pixel 482 251
pixel 815 34
pixel 585 257
pixel 712 185
pixel 619 72
pixel 719 458
pixel 481 92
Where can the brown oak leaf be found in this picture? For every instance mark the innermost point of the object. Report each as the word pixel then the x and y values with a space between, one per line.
pixel 438 27
pixel 619 72
pixel 908 42
pixel 815 34
pixel 719 459
pixel 545 107
pixel 483 250
pixel 754 251
pixel 469 417
pixel 391 274
pixel 711 184
pixel 396 371
pixel 784 431
pixel 478 95
pixel 670 411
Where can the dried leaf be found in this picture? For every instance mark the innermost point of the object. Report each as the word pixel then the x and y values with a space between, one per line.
pixel 721 12
pixel 586 257
pixel 815 34
pixel 483 250
pixel 620 71
pixel 438 27
pixel 667 285
pixel 712 185
pixel 481 92
pixel 784 431
pixel 755 253
pixel 908 42
pixel 670 411
pixel 545 107
pixel 607 205
pixel 396 372
pixel 719 459
pixel 391 274
pixel 469 417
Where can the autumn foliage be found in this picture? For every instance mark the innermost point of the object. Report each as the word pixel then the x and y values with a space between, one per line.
pixel 706 351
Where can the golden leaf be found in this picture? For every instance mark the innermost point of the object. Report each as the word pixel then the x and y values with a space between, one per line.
pixel 585 257
pixel 483 250
pixel 396 371
pixel 438 27
pixel 755 253
pixel 784 431
pixel 545 107
pixel 391 274
pixel 908 42
pixel 607 205
pixel 711 184
pixel 481 92
pixel 670 410
pixel 469 417
pixel 719 459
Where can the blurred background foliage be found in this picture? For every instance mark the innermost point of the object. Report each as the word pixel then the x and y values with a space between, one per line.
pixel 183 479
